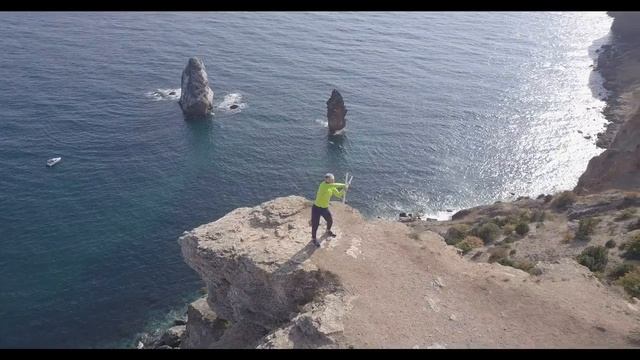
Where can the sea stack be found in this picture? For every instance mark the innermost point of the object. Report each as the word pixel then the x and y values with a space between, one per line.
pixel 335 113
pixel 197 97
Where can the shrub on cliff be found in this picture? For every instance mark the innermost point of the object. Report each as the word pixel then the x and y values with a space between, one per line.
pixel 524 265
pixel 621 270
pixel 456 233
pixel 488 232
pixel 631 282
pixel 610 244
pixel 508 229
pixel 498 253
pixel 469 243
pixel 522 228
pixel 564 200
pixel 594 257
pixel 632 247
pixel 586 227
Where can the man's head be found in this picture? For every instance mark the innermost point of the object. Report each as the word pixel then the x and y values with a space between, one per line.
pixel 328 178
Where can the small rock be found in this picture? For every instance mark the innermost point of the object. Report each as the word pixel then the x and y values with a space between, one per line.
pixel 635 300
pixel 164 347
pixel 173 336
pixel 579 131
pixel 436 346
pixel 600 328
pixel 140 345
pixel 233 107
pixel 437 282
pixel 452 317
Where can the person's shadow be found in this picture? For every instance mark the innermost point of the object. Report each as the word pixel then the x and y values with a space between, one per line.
pixel 301 256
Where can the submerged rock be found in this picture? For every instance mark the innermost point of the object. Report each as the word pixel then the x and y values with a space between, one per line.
pixel 335 113
pixel 196 98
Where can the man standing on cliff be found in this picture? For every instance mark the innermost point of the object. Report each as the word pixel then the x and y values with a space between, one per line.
pixel 326 190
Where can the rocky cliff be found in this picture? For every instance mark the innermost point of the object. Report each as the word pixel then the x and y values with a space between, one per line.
pixel 379 285
pixel 196 98
pixel 618 62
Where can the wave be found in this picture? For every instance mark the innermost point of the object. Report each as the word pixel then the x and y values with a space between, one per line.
pixel 232 103
pixel 164 94
pixel 324 123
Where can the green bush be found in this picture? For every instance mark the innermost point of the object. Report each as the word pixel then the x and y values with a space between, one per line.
pixel 522 228
pixel 488 232
pixel 523 265
pixel 469 243
pixel 626 214
pixel 508 229
pixel 465 247
pixel 564 200
pixel 594 257
pixel 631 283
pixel 586 227
pixel 620 270
pixel 456 233
pixel 525 216
pixel 632 247
pixel 500 220
pixel 498 253
pixel 610 244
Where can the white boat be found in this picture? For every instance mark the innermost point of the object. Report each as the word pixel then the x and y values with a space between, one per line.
pixel 53 161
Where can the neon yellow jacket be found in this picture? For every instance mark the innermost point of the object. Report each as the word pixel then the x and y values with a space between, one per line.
pixel 325 191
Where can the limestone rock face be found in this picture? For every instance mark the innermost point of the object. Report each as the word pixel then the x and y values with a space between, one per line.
pixel 336 112
pixel 204 328
pixel 196 98
pixel 250 261
pixel 375 286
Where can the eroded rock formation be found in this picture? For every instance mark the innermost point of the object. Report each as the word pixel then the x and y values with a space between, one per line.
pixel 336 112
pixel 196 98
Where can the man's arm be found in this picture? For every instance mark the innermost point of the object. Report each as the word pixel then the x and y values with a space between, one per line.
pixel 338 185
pixel 337 193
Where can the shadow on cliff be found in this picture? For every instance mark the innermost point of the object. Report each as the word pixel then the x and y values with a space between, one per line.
pixel 301 256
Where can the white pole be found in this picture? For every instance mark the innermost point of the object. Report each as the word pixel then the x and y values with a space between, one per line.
pixel 344 197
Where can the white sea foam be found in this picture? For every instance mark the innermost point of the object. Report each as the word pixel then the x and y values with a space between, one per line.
pixel 324 123
pixel 231 100
pixel 164 94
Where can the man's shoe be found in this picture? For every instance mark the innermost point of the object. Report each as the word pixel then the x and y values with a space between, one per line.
pixel 331 233
pixel 315 242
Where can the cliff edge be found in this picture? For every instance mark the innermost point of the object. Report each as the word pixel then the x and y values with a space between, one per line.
pixel 378 286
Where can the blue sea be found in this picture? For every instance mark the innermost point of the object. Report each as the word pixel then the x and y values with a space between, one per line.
pixel 445 111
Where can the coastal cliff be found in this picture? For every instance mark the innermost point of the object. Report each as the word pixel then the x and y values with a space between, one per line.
pixel 618 167
pixel 558 271
pixel 380 284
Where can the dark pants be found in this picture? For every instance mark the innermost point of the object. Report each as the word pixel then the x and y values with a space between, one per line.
pixel 316 212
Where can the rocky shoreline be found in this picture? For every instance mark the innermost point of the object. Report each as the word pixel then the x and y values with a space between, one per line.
pixel 556 271
pixel 619 64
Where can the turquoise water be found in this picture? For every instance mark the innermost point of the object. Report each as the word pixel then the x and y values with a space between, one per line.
pixel 446 110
